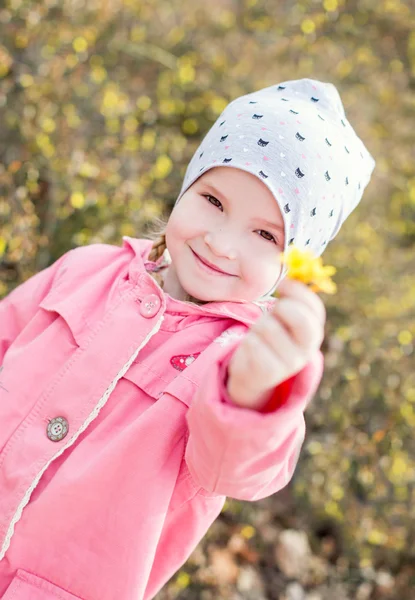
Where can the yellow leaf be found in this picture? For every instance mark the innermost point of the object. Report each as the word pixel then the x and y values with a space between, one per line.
pixel 308 26
pixel 190 126
pixel 148 139
pixel 376 537
pixel 218 104
pixel 80 44
pixel 330 5
pixel 98 74
pixel 186 73
pixel 21 40
pixel 183 579
pixel 48 125
pixel 405 337
pixel 77 200
pixel 86 169
pixel 143 102
pixel 162 167
pixel 26 80
pixel 247 532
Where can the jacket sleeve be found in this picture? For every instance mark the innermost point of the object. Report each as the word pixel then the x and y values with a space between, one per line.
pixel 21 304
pixel 243 453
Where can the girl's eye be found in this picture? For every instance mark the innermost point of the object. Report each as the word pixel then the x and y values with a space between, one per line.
pixel 209 197
pixel 271 238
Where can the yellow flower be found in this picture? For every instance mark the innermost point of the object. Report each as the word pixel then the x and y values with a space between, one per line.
pixel 304 266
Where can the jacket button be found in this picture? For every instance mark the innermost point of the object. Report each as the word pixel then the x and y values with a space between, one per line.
pixel 150 306
pixel 57 429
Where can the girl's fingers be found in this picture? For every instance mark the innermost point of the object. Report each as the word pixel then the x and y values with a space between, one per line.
pixel 290 288
pixel 277 334
pixel 301 323
pixel 280 347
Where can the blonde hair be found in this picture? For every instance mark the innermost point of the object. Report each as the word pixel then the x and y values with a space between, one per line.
pixel 157 233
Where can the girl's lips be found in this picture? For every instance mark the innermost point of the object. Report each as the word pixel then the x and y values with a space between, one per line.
pixel 207 268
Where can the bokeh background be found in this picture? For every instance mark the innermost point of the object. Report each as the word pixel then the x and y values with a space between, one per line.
pixel 102 105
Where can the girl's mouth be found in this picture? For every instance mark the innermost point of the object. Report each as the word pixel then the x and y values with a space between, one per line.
pixel 212 270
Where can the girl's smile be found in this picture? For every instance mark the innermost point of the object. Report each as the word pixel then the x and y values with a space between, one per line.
pixel 209 267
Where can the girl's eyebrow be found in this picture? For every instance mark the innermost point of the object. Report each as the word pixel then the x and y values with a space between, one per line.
pixel 218 193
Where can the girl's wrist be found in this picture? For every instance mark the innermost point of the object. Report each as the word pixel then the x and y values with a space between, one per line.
pixel 246 398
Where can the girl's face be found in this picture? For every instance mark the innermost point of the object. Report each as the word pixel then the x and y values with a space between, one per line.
pixel 230 219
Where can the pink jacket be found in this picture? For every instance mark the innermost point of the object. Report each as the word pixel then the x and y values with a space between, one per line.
pixel 118 442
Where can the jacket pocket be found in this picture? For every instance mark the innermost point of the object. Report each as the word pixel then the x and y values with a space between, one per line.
pixel 26 586
pixel 142 378
pixel 68 317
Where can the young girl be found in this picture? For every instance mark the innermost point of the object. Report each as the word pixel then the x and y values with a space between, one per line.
pixel 141 385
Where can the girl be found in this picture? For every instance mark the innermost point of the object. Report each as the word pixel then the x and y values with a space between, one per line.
pixel 138 383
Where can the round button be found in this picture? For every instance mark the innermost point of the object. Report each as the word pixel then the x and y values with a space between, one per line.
pixel 150 306
pixel 57 429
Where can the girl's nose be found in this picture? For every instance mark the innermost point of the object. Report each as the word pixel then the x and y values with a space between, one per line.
pixel 221 245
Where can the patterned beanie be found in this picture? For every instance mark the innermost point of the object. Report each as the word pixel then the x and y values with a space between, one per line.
pixel 295 137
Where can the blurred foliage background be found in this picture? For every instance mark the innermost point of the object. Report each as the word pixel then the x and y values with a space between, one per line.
pixel 102 105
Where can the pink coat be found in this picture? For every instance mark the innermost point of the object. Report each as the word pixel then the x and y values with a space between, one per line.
pixel 118 442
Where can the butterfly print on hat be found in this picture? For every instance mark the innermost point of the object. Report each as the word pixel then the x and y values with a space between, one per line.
pixel 223 138
pixel 220 124
pixel 327 142
pixel 182 361
pixel 287 208
pixel 299 173
pixel 299 137
pixel 314 99
pixel 281 87
pixel 331 213
pixel 200 155
pixel 253 102
pixel 327 176
pixel 294 112
pixel 257 116
pixel 263 174
pixel 262 142
pixel 307 242
pixel 313 212
pixel 291 242
pixel 227 160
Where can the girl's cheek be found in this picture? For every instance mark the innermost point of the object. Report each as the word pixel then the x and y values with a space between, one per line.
pixel 194 214
pixel 266 272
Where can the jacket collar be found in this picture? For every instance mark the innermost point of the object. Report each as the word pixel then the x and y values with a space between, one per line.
pixel 244 311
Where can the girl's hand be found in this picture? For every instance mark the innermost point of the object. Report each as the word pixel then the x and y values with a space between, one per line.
pixel 278 345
